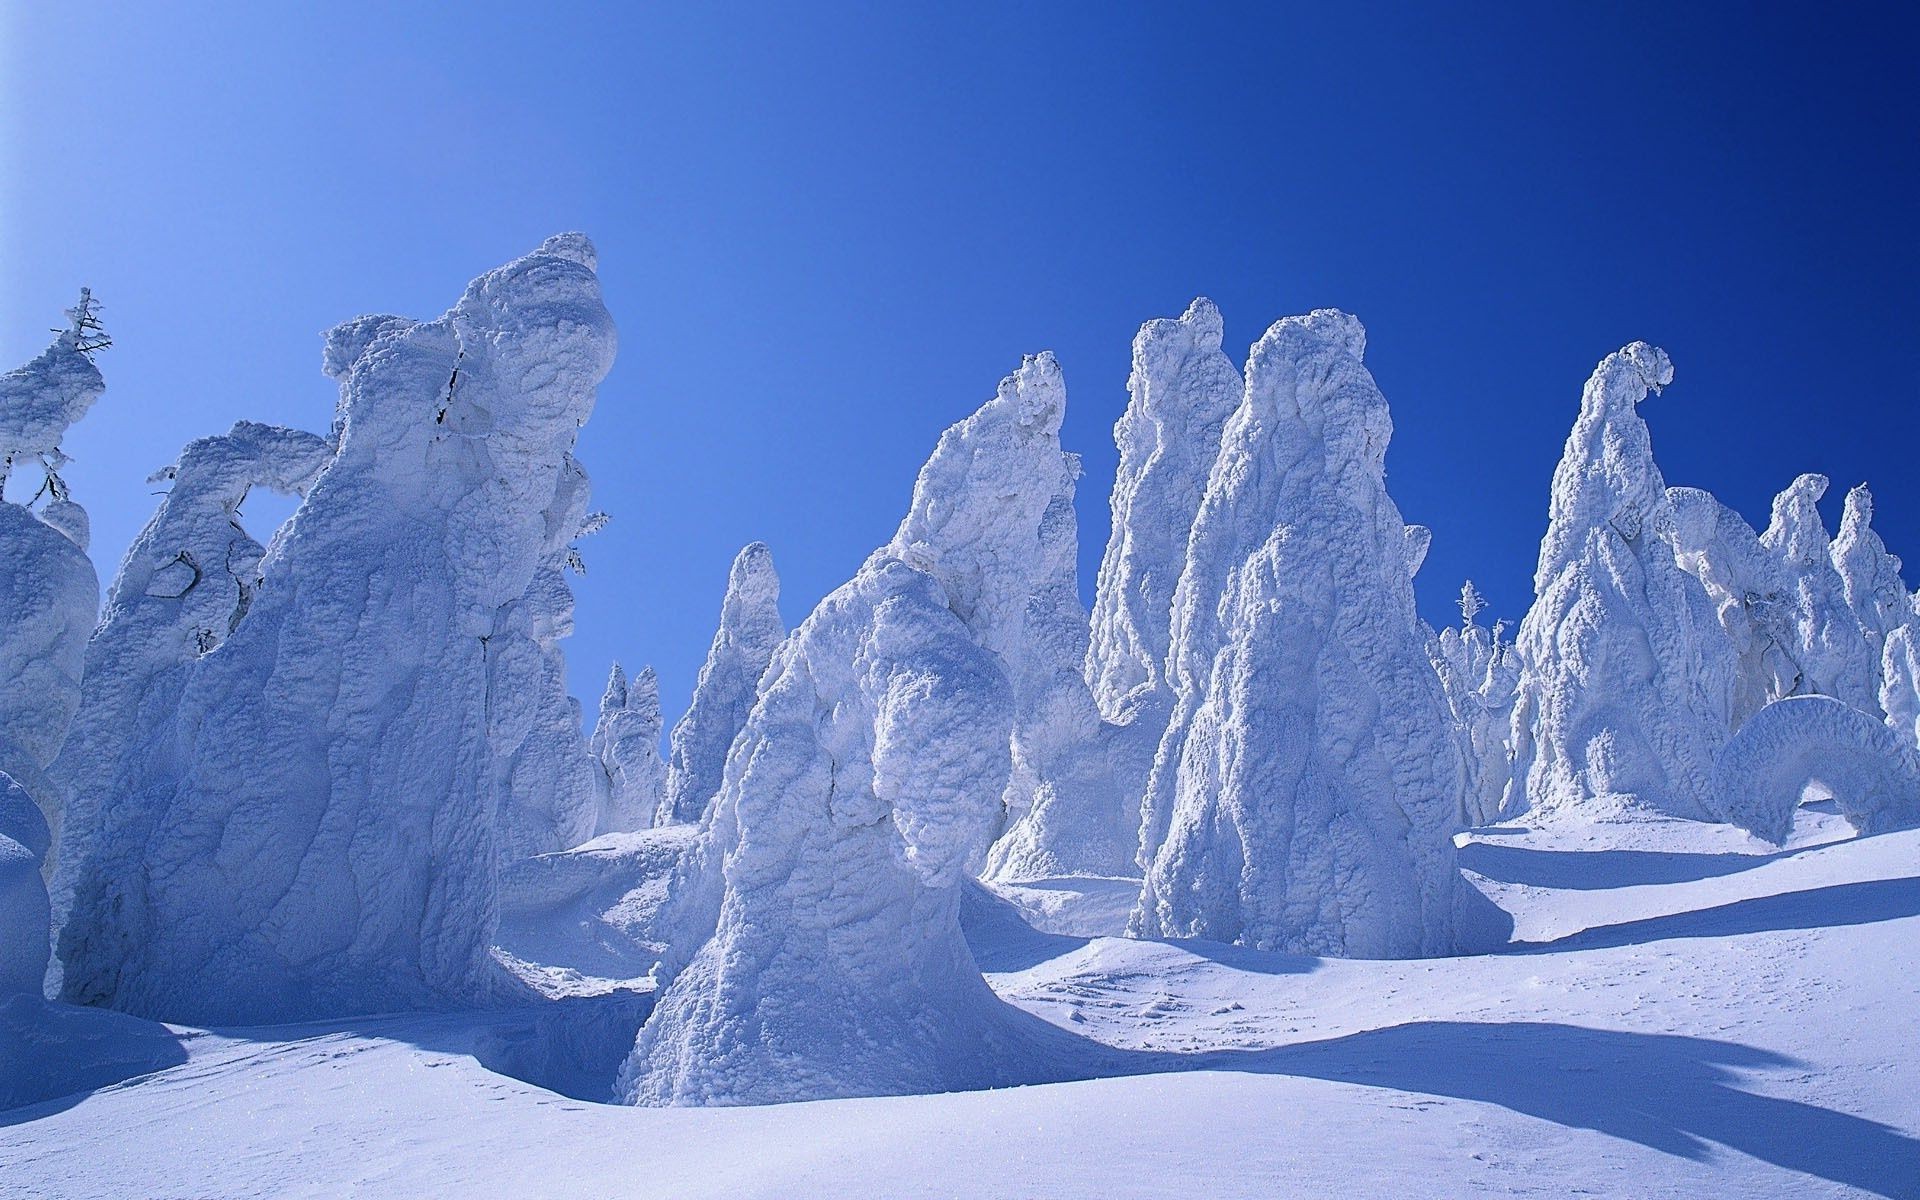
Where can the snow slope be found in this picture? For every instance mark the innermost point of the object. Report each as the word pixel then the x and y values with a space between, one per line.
pixel 1690 1013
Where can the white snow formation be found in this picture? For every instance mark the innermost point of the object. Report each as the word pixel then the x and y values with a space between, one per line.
pixel 319 818
pixel 1834 656
pixel 49 596
pixel 1180 394
pixel 1746 590
pixel 183 587
pixel 1871 584
pixel 859 798
pixel 1308 785
pixel 1480 674
pixel 1819 743
pixel 750 631
pixel 1627 678
pixel 626 744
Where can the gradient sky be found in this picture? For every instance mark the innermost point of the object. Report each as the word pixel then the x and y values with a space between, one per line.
pixel 826 237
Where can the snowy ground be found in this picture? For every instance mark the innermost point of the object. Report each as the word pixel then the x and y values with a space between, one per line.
pixel 1684 1014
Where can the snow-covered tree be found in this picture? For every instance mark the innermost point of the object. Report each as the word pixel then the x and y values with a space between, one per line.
pixel 1832 652
pixel 1627 676
pixel 321 811
pixel 1306 792
pixel 1747 592
pixel 1481 675
pixel 626 743
pixel 816 923
pixel 750 631
pixel 1870 579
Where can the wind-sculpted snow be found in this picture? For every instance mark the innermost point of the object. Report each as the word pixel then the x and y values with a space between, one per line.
pixel 750 631
pixel 25 914
pixel 626 742
pixel 1764 771
pixel 1180 394
pixel 1628 677
pixel 182 589
pixel 1480 674
pixel 1748 594
pixel 818 949
pixel 1900 682
pixel 1306 792
pixel 1870 580
pixel 1833 653
pixel 317 822
pixel 41 400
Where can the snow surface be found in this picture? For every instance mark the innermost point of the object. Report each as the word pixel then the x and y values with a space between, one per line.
pixel 1308 785
pixel 750 631
pixel 317 823
pixel 1692 1014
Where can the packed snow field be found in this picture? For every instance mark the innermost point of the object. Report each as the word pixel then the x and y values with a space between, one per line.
pixel 1246 882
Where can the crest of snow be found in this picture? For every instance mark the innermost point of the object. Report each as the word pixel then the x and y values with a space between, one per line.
pixel 1627 676
pixel 1308 786
pixel 626 741
pixel 320 812
pixel 1179 397
pixel 816 932
pixel 1821 743
pixel 750 631
pixel 1833 653
pixel 182 588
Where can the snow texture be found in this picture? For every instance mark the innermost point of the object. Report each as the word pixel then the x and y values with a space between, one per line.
pixel 859 798
pixel 1308 786
pixel 1824 744
pixel 1180 394
pixel 1626 689
pixel 626 743
pixel 1480 674
pixel 1900 683
pixel 317 826
pixel 184 586
pixel 1748 594
pixel 1870 582
pixel 25 914
pixel 1833 653
pixel 750 631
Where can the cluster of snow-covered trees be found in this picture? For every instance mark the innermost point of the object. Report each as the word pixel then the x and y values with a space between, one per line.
pixel 283 782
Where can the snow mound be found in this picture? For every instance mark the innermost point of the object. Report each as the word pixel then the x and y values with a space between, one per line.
pixel 750 631
pixel 318 819
pixel 1308 785
pixel 1628 677
pixel 1816 742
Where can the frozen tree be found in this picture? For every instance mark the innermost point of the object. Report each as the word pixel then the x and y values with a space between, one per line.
pixel 626 742
pixel 1747 592
pixel 1869 579
pixel 48 598
pixel 319 818
pixel 750 631
pixel 1900 679
pixel 1627 676
pixel 183 587
pixel 1179 396
pixel 816 924
pixel 1480 675
pixel 1833 654
pixel 1766 768
pixel 1306 793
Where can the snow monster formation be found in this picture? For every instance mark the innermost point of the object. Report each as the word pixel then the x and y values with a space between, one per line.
pixel 626 744
pixel 1827 641
pixel 1480 675
pixel 319 818
pixel 1762 773
pixel 48 598
pixel 1306 793
pixel 750 631
pixel 1180 394
pixel 182 589
pixel 1747 592
pixel 819 916
pixel 1870 582
pixel 1625 692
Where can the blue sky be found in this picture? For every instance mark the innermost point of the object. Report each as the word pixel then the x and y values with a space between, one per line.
pixel 826 236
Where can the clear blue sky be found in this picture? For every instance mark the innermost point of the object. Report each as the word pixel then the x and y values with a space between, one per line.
pixel 825 237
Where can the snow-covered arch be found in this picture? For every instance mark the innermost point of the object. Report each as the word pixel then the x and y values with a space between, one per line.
pixel 1760 775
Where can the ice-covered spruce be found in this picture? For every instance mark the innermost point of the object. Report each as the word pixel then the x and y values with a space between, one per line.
pixel 1828 644
pixel 750 631
pixel 48 599
pixel 1870 580
pixel 1308 786
pixel 319 816
pixel 1180 394
pixel 626 743
pixel 182 589
pixel 1627 677
pixel 819 950
pixel 1746 591
pixel 1480 675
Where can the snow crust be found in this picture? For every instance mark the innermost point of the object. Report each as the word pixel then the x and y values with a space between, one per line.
pixel 318 821
pixel 1625 693
pixel 1308 785
pixel 751 629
